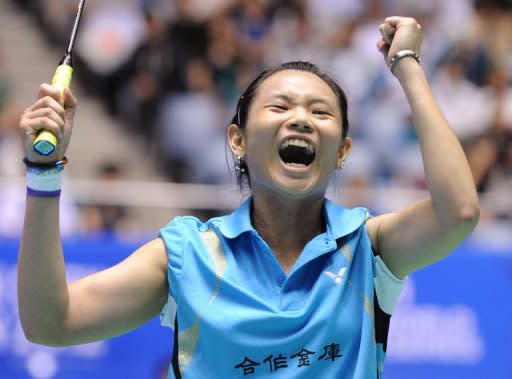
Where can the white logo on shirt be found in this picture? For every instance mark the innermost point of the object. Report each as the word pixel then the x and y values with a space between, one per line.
pixel 336 277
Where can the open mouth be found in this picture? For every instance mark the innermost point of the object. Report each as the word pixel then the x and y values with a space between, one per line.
pixel 297 152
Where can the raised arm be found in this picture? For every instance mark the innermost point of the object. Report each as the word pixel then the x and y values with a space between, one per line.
pixel 430 229
pixel 101 305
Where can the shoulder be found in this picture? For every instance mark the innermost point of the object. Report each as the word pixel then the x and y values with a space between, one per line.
pixel 182 237
pixel 185 230
pixel 181 227
pixel 153 253
pixel 373 226
pixel 183 222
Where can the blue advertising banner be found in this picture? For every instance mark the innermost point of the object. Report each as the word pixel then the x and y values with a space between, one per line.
pixel 453 319
pixel 142 354
pixel 451 322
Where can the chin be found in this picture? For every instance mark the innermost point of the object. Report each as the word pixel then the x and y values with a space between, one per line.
pixel 300 189
pixel 291 184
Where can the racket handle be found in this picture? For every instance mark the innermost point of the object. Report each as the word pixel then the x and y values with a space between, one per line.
pixel 45 142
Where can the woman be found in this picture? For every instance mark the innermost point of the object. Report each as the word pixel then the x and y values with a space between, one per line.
pixel 289 283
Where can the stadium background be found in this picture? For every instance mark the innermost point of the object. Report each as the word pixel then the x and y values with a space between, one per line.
pixel 157 82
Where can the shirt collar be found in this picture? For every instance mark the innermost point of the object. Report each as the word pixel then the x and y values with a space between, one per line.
pixel 237 222
pixel 340 221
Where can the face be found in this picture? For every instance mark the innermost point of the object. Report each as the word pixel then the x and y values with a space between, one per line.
pixel 292 139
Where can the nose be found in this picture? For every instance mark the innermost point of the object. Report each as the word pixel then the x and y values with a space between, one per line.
pixel 300 122
pixel 301 126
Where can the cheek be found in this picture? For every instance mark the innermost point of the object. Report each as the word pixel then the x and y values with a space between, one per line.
pixel 331 156
pixel 259 140
pixel 257 150
pixel 331 141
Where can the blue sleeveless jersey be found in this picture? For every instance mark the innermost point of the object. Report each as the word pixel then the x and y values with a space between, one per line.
pixel 237 314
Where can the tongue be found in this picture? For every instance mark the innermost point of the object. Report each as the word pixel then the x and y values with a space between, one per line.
pixel 296 155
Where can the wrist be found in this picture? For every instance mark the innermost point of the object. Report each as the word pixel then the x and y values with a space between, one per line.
pixel 409 73
pixel 44 180
pixel 402 57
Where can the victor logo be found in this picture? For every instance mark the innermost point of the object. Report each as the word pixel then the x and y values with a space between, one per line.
pixel 336 277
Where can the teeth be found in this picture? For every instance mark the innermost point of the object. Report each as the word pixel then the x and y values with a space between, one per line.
pixel 298 142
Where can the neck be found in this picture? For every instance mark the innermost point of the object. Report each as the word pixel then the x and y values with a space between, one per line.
pixel 286 226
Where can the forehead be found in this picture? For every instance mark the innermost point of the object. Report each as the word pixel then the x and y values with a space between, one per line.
pixel 296 83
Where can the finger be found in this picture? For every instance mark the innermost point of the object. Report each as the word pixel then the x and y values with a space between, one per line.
pixel 381 29
pixel 46 102
pixel 387 32
pixel 46 89
pixel 389 29
pixel 46 113
pixel 393 20
pixel 383 46
pixel 69 99
pixel 32 130
pixel 396 21
pixel 40 123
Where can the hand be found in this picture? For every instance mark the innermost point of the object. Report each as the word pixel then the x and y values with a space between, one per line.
pixel 399 33
pixel 48 113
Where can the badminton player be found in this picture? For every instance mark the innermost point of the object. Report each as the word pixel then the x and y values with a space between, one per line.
pixel 289 285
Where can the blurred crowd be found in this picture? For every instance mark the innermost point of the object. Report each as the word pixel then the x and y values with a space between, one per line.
pixel 172 71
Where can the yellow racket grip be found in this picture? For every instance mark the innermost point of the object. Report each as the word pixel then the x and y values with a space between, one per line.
pixel 45 142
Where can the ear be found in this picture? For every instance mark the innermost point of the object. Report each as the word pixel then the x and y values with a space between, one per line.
pixel 236 139
pixel 344 152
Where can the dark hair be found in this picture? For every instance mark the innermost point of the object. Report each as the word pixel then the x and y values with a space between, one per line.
pixel 245 100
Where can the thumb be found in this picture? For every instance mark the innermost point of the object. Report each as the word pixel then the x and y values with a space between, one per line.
pixel 70 101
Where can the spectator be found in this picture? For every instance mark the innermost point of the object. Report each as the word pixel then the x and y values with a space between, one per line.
pixel 252 18
pixel 468 108
pixel 224 56
pixel 106 219
pixel 469 61
pixel 192 139
pixel 151 73
pixel 108 37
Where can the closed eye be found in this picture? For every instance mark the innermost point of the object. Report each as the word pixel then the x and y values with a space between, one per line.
pixel 321 112
pixel 278 107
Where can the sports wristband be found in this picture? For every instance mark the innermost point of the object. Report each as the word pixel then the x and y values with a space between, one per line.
pixel 44 180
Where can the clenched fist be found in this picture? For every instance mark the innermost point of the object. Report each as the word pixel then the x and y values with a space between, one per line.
pixel 51 112
pixel 399 33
